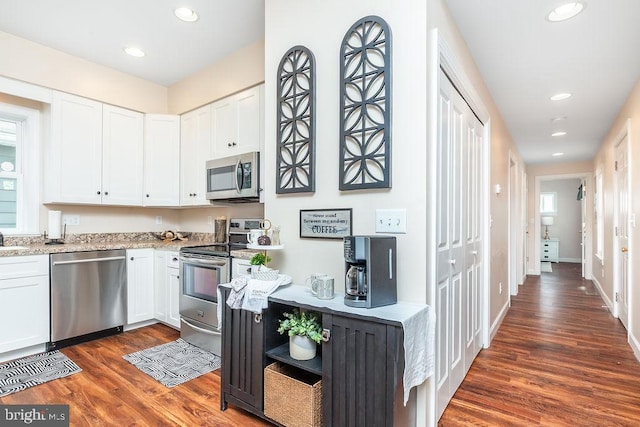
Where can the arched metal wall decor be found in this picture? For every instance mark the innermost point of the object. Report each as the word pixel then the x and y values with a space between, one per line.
pixel 296 122
pixel 365 105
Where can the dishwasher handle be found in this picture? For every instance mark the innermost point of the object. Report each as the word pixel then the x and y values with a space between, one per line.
pixel 82 261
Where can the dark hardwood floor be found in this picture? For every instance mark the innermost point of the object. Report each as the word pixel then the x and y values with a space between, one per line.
pixel 559 359
pixel 112 392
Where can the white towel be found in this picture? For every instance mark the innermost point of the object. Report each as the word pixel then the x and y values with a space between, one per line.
pixel 257 294
pixel 419 334
pixel 238 288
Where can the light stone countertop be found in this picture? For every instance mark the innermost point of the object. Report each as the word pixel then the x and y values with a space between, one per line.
pixel 99 242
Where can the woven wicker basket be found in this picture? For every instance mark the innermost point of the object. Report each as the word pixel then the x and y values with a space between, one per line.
pixel 291 401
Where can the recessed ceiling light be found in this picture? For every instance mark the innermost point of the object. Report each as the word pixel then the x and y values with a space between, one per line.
pixel 557 154
pixel 566 11
pixel 561 133
pixel 560 96
pixel 186 14
pixel 134 51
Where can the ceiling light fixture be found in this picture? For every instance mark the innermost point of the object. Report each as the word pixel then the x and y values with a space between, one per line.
pixel 186 14
pixel 557 154
pixel 561 133
pixel 134 51
pixel 566 11
pixel 560 96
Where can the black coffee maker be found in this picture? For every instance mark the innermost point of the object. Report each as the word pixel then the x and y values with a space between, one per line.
pixel 370 265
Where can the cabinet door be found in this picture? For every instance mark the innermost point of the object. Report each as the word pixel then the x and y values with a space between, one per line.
pixel 358 372
pixel 74 157
pixel 195 150
pixel 224 124
pixel 173 298
pixel 161 160
pixel 242 356
pixel 122 164
pixel 240 267
pixel 249 120
pixel 160 291
pixel 140 300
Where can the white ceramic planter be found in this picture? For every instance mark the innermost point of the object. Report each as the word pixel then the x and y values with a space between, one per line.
pixel 302 348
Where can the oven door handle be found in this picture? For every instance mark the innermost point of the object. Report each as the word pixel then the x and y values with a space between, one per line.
pixel 203 261
pixel 205 331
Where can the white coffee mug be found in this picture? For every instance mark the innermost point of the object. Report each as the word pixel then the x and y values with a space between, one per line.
pixel 309 280
pixel 252 235
pixel 322 287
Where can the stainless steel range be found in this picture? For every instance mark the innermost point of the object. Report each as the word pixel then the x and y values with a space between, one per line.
pixel 202 269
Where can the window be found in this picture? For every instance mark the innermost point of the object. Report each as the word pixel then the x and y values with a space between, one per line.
pixel 19 175
pixel 548 203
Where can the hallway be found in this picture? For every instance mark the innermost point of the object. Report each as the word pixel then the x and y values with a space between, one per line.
pixel 559 359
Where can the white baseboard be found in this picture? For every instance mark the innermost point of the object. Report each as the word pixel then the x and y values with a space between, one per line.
pixel 604 296
pixel 23 352
pixel 499 319
pixel 531 272
pixel 139 325
pixel 635 346
pixel 574 260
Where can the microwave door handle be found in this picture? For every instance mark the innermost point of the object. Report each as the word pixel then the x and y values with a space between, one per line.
pixel 239 180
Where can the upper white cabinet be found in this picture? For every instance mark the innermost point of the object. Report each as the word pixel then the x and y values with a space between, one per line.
pixel 122 148
pixel 195 150
pixel 161 160
pixel 95 155
pixel 237 123
pixel 74 157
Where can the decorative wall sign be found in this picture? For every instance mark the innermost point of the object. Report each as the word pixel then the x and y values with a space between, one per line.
pixel 325 223
pixel 296 122
pixel 365 105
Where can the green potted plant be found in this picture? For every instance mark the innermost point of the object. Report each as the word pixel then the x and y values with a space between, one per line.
pixel 305 333
pixel 258 260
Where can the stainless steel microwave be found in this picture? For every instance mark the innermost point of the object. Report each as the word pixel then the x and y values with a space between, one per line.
pixel 234 179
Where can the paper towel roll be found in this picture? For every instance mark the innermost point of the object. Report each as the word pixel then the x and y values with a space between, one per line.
pixel 55 224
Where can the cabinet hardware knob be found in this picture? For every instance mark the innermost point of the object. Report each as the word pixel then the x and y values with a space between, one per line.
pixel 147 195
pixel 326 335
pixel 257 318
pixel 174 259
pixel 106 193
pixel 452 261
pixel 624 249
pixel 98 193
pixel 233 144
pixel 228 144
pixel 131 258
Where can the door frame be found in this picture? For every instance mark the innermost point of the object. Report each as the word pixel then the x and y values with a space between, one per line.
pixel 625 132
pixel 517 224
pixel 444 58
pixel 586 259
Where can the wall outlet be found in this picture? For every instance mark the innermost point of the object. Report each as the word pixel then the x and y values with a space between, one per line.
pixel 391 221
pixel 71 219
pixel 158 220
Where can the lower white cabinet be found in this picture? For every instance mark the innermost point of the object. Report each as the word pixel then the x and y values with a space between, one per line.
pixel 24 301
pixel 140 289
pixel 167 288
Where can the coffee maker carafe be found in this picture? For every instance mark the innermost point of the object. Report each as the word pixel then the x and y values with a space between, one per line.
pixel 370 271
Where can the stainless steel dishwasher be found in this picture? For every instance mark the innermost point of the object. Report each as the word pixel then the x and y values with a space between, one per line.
pixel 88 296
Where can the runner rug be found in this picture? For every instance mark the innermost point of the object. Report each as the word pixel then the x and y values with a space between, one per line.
pixel 174 363
pixel 30 371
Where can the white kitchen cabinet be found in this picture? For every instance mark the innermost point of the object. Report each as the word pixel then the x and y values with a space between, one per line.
pixel 122 151
pixel 140 285
pixel 195 150
pixel 167 288
pixel 240 267
pixel 74 158
pixel 24 301
pixel 550 250
pixel 161 160
pixel 95 155
pixel 237 123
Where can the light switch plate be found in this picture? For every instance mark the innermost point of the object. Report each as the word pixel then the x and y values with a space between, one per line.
pixel 392 221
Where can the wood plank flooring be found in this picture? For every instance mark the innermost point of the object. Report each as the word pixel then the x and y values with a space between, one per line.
pixel 559 359
pixel 112 392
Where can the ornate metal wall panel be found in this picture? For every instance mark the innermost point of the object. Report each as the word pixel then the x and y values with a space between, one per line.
pixel 365 105
pixel 296 122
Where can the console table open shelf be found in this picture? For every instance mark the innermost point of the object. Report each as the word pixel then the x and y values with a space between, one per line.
pixel 281 353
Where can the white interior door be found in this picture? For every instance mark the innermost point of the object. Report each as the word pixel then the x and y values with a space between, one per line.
pixel 459 241
pixel 622 230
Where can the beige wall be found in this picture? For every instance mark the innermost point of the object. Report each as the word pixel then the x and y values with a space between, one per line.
pixel 238 71
pixel 33 63
pixel 604 160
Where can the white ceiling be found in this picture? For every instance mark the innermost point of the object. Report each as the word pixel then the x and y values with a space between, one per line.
pixel 99 30
pixel 524 58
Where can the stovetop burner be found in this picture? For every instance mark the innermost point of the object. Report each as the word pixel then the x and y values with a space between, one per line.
pixel 214 250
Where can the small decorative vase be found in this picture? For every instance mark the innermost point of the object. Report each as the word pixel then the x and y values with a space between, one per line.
pixel 302 348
